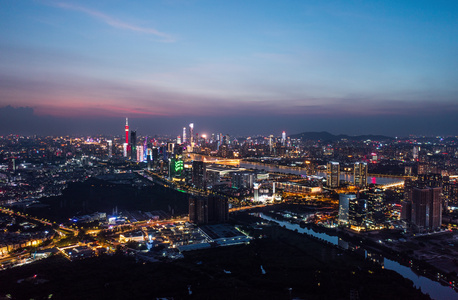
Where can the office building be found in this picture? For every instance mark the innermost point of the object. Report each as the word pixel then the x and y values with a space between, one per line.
pixel 208 210
pixel 426 208
pixel 360 174
pixel 333 174
pixel 133 145
pixel 184 135
pixel 357 211
pixel 199 174
pixel 344 206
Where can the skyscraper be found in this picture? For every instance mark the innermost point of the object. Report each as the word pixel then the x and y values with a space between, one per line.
pixel 184 135
pixel 139 153
pixel 333 174
pixel 110 148
pixel 344 206
pixel 256 191
pixel 191 134
pixel 199 174
pixel 126 142
pixel 204 210
pixel 133 145
pixel 360 174
pixel 427 208
pixel 283 138
pixel 198 210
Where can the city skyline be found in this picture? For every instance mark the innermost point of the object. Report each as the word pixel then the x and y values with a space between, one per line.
pixel 239 68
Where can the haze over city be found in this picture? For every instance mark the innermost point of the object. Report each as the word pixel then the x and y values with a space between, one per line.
pixel 81 67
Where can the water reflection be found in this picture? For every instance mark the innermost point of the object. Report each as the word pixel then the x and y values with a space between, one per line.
pixel 431 287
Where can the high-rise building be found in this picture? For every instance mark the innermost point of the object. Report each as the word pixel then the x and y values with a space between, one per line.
pixel 357 211
pixel 126 142
pixel 198 210
pixel 199 174
pixel 204 210
pixel 191 134
pixel 360 174
pixel 256 191
pixel 218 209
pixel 139 153
pixel 427 208
pixel 344 206
pixel 415 152
pixel 176 167
pixel 243 179
pixel 283 138
pixel 271 137
pixel 124 149
pixel 375 206
pixel 333 174
pixel 145 149
pixel 133 145
pixel 110 148
pixel 184 135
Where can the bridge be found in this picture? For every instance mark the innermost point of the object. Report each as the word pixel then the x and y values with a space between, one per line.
pixel 392 185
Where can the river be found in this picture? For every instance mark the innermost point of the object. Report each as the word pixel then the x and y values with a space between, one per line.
pixel 301 171
pixel 431 287
pixel 291 170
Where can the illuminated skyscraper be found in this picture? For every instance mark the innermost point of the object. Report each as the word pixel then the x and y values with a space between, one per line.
pixel 184 135
pixel 126 142
pixel 333 174
pixel 145 149
pixel 191 134
pixel 344 206
pixel 256 191
pixel 283 138
pixel 139 153
pixel 360 174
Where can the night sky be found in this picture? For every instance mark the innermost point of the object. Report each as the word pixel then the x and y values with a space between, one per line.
pixel 237 67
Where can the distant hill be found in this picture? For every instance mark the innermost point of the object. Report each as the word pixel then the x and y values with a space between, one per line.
pixel 326 136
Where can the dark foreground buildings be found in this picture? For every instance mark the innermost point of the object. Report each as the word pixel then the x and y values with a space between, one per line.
pixel 208 210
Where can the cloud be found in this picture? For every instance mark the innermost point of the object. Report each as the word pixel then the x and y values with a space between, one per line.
pixel 117 23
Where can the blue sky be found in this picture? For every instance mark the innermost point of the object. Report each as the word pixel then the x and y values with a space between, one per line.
pixel 308 65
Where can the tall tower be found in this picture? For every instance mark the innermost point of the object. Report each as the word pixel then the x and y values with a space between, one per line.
pixel 283 138
pixel 126 142
pixel 127 131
